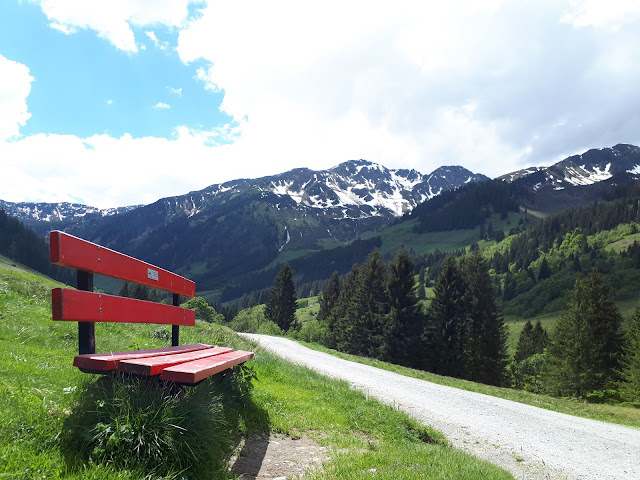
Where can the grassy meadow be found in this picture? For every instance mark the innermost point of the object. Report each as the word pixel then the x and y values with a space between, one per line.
pixel 57 423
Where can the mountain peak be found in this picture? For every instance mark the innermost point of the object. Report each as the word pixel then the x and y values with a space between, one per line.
pixel 593 166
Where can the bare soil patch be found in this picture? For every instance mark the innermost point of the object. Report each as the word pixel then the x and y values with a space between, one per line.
pixel 277 457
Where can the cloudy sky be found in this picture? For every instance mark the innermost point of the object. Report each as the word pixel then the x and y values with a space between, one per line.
pixel 120 102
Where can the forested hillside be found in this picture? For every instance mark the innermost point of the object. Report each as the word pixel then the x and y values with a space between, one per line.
pixel 25 246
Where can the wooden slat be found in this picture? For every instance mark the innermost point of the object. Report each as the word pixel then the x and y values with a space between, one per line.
pixel 109 361
pixel 74 252
pixel 192 372
pixel 80 306
pixel 155 365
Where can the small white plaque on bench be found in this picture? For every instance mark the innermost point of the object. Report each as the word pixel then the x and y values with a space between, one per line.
pixel 152 274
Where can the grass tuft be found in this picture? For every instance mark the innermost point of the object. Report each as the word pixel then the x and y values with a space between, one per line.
pixel 155 428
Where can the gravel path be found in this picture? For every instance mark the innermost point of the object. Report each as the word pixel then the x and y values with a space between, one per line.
pixel 530 442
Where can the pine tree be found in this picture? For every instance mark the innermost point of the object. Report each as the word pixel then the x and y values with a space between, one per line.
pixel 362 310
pixel 631 360
pixel 343 328
pixel 421 293
pixel 586 345
pixel 532 340
pixel 487 347
pixel 540 338
pixel 545 271
pixel 141 292
pixel 446 327
pixel 124 291
pixel 281 305
pixel 405 319
pixel 525 346
pixel 370 308
pixel 329 297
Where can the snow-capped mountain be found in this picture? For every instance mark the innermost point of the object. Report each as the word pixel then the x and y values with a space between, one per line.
pixel 55 212
pixel 227 230
pixel 360 189
pixel 589 168
pixel 356 189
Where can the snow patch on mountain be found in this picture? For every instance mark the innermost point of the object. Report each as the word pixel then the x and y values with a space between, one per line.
pixel 583 176
pixel 56 212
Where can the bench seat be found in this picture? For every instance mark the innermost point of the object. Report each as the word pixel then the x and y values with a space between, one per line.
pixel 186 364
pixel 109 361
pixel 191 373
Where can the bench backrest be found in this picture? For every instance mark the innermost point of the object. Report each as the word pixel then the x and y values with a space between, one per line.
pixel 86 307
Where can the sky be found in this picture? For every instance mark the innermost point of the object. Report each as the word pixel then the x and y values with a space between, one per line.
pixel 122 102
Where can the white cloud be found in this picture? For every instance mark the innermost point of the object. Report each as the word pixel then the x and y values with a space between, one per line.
pixel 162 106
pixel 109 101
pixel 175 91
pixel 494 86
pixel 609 14
pixel 136 170
pixel 161 45
pixel 361 80
pixel 112 19
pixel 14 90
pixel 67 30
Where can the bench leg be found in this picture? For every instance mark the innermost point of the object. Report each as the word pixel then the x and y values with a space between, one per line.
pixel 175 329
pixel 86 330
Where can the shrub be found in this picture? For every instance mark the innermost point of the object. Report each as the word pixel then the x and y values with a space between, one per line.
pixel 314 331
pixel 269 328
pixel 157 429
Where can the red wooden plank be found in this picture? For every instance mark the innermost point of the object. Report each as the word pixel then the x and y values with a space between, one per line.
pixel 74 252
pixel 193 372
pixel 155 365
pixel 81 306
pixel 109 361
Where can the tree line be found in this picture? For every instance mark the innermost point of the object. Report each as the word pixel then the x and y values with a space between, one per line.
pixel 374 311
pixel 24 245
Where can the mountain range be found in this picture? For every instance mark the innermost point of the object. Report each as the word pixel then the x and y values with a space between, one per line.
pixel 225 232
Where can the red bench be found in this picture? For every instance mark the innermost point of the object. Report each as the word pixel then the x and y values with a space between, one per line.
pixel 182 364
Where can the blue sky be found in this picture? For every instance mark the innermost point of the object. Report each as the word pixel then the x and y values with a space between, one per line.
pixel 85 86
pixel 121 102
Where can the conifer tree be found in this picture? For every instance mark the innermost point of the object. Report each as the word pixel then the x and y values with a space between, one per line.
pixel 532 340
pixel 540 338
pixel 421 293
pixel 329 297
pixel 525 348
pixel 281 305
pixel 586 345
pixel 446 327
pixel 545 271
pixel 631 360
pixel 362 310
pixel 124 291
pixel 371 307
pixel 343 328
pixel 405 319
pixel 486 350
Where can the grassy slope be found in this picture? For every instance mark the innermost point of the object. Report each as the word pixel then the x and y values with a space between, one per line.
pixel 37 381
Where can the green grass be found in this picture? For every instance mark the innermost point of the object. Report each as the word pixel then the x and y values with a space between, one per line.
pixel 402 236
pixel 607 413
pixel 45 403
pixel 309 312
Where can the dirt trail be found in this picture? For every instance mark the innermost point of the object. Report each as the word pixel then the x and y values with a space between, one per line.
pixel 530 442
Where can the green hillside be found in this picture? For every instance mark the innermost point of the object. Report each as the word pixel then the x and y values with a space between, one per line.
pixel 47 408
